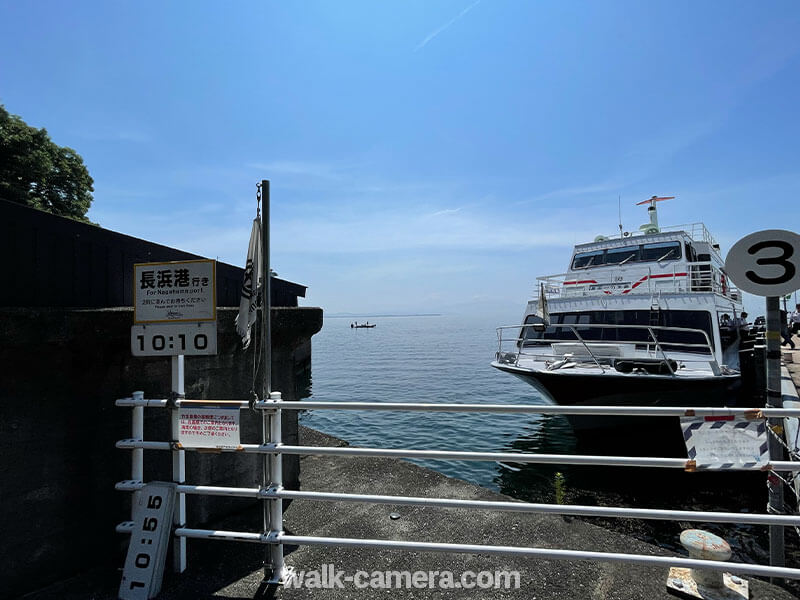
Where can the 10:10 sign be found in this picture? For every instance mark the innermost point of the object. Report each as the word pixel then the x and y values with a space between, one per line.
pixel 172 339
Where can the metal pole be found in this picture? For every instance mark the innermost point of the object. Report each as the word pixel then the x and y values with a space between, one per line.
pixel 137 456
pixel 276 505
pixel 774 484
pixel 266 331
pixel 514 457
pixel 266 370
pixel 178 466
pixel 541 553
pixel 557 509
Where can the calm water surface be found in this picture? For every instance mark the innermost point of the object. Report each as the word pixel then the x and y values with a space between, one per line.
pixel 446 359
pixel 419 359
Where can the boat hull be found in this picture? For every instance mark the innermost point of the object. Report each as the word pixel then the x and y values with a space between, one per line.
pixel 608 389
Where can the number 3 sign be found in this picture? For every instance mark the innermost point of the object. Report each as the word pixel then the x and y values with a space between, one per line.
pixel 766 263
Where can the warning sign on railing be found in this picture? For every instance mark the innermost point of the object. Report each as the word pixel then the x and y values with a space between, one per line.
pixel 209 426
pixel 725 442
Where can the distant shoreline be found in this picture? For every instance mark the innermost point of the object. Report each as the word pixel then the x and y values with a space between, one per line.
pixel 359 316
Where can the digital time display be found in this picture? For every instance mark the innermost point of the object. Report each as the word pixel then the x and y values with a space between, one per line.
pixel 172 339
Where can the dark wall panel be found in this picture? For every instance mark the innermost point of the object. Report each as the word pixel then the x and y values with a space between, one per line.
pixel 57 262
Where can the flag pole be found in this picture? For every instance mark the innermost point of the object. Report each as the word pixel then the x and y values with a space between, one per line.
pixel 266 368
pixel 266 298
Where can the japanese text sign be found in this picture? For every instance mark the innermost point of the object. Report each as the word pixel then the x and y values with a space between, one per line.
pixel 174 291
pixel 726 442
pixel 209 427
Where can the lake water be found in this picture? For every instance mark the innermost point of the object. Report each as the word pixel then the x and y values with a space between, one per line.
pixel 446 359
pixel 419 359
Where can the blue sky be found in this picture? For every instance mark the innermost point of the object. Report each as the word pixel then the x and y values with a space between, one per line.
pixel 424 156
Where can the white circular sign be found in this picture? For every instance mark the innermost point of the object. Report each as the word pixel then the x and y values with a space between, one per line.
pixel 766 263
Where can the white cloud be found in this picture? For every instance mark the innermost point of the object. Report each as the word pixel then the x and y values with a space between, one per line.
pixel 444 27
pixel 446 211
pixel 295 168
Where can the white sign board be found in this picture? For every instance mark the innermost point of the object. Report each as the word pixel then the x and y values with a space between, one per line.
pixel 766 263
pixel 209 426
pixel 726 442
pixel 147 551
pixel 172 339
pixel 169 292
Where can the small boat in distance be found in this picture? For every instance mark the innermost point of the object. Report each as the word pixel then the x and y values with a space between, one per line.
pixel 367 325
pixel 639 318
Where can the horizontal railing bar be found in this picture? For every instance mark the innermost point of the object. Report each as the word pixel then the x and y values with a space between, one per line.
pixel 545 409
pixel 201 490
pixel 558 509
pixel 146 402
pixel 605 326
pixel 214 534
pixel 544 340
pixel 564 459
pixel 691 365
pixel 548 409
pixel 131 402
pixel 125 527
pixel 540 553
pixel 144 445
pixel 502 506
pixel 240 403
pixel 543 553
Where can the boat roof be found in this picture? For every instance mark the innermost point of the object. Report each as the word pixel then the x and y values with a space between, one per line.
pixel 695 232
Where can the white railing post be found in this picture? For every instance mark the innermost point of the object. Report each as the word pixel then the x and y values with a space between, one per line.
pixel 137 456
pixel 178 466
pixel 276 504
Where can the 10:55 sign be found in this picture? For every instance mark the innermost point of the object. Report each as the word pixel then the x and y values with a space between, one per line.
pixel 766 263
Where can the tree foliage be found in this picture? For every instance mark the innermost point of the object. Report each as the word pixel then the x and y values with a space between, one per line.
pixel 36 172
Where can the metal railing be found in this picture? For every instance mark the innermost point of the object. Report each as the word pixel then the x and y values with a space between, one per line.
pixel 696 231
pixel 681 351
pixel 637 279
pixel 274 493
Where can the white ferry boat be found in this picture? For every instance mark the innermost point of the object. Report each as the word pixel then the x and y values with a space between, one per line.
pixel 643 318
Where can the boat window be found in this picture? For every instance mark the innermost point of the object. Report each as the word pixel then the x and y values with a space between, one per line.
pixel 530 333
pixel 662 251
pixel 616 256
pixel 672 341
pixel 689 319
pixel 588 259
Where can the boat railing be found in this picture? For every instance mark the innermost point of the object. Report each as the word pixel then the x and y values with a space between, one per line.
pixel 696 277
pixel 696 231
pixel 602 352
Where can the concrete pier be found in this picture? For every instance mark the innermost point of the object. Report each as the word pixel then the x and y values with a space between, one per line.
pixel 62 370
pixel 231 570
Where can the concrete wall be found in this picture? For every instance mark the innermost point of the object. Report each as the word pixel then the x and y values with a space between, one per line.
pixel 60 372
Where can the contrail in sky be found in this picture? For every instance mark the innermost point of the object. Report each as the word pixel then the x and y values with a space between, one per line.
pixel 436 32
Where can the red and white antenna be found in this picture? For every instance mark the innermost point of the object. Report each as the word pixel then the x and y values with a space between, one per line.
pixel 655 199
pixel 652 226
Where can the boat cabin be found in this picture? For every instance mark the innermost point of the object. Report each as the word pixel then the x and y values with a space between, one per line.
pixel 615 289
